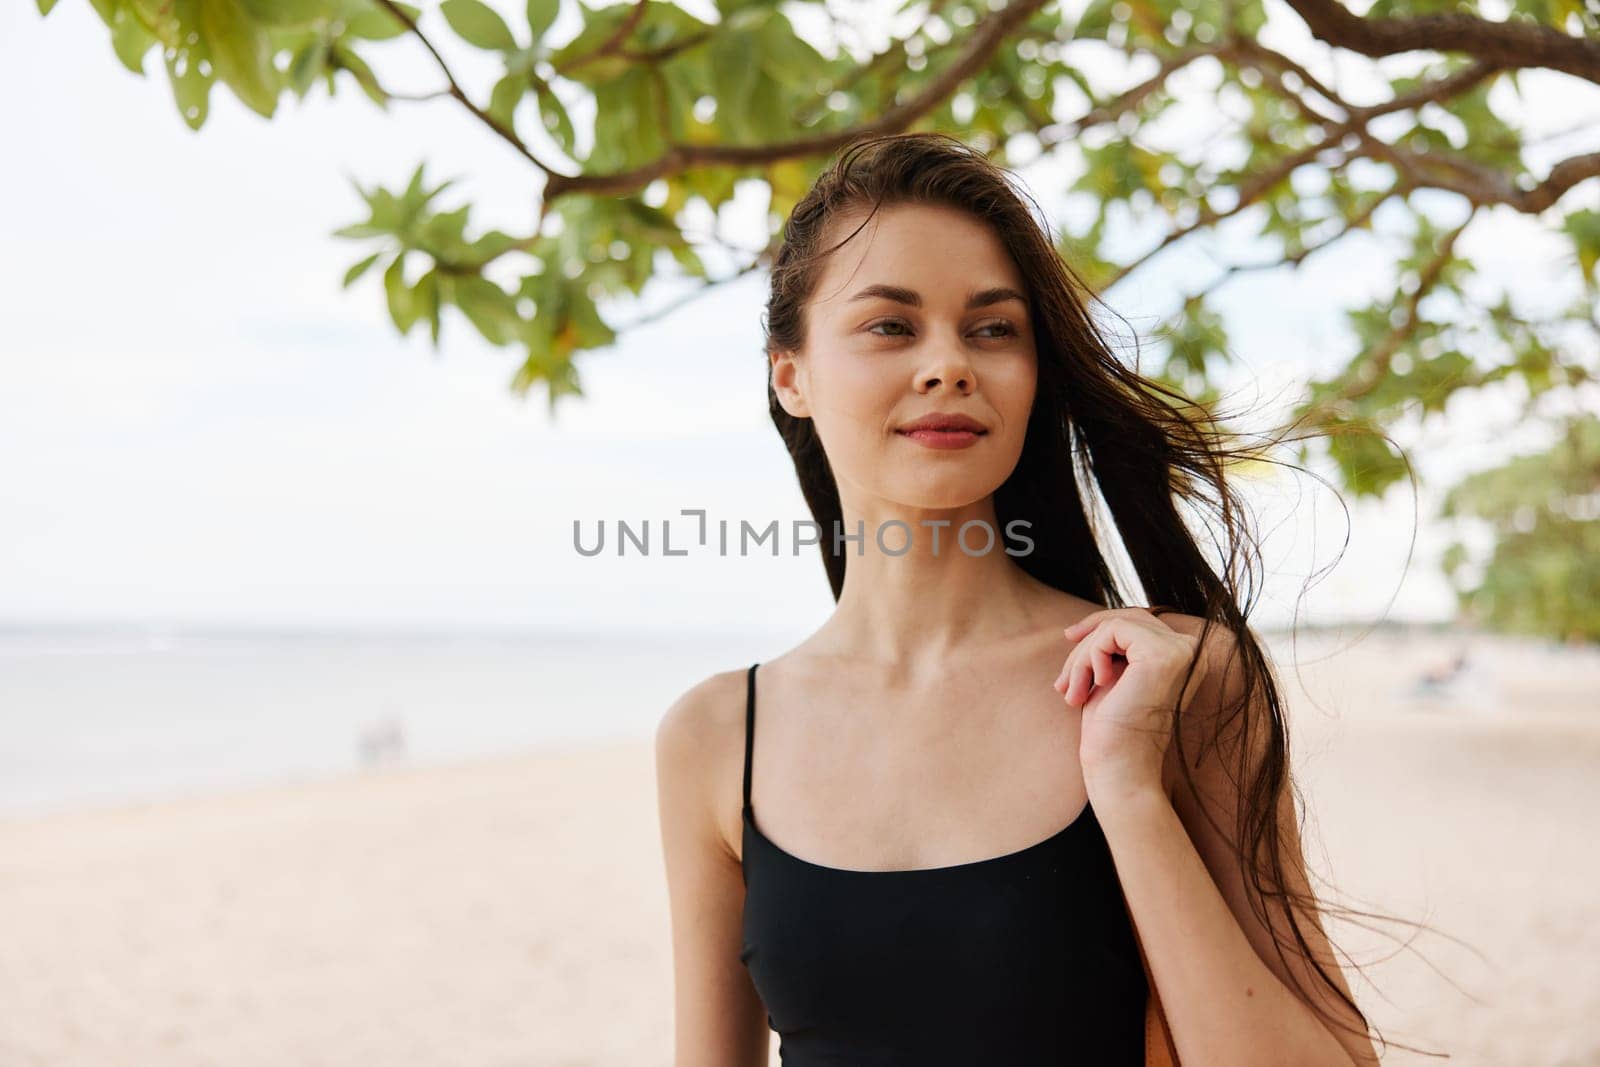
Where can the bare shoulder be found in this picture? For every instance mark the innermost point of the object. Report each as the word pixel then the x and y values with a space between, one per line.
pixel 1221 644
pixel 704 711
pixel 718 1016
pixel 1187 624
pixel 699 749
pixel 1219 685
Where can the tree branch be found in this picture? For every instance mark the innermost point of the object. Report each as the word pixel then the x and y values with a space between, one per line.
pixel 1379 358
pixel 1353 222
pixel 764 257
pixel 666 51
pixel 1246 51
pixel 990 35
pixel 1563 176
pixel 1049 136
pixel 1250 53
pixel 1249 193
pixel 1479 184
pixel 456 91
pixel 894 51
pixel 1503 44
pixel 611 44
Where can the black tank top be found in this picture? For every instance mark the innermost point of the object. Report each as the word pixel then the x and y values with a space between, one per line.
pixel 1023 959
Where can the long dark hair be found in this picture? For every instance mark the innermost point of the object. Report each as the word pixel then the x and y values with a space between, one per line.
pixel 1096 425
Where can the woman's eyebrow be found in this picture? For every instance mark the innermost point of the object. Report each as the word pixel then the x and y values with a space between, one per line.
pixel 982 298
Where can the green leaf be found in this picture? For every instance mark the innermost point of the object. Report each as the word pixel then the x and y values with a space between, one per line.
pixel 786 57
pixel 130 40
pixel 771 119
pixel 360 230
pixel 417 196
pixel 191 85
pixel 45 6
pixel 555 120
pixel 599 26
pixel 310 61
pixel 240 53
pixel 648 138
pixel 493 244
pixel 562 380
pixel 479 24
pixel 1584 229
pixel 1118 170
pixel 358 270
pixel 372 22
pixel 1367 462
pixel 612 139
pixel 1435 381
pixel 416 187
pixel 508 93
pixel 346 59
pixel 402 308
pixel 541 13
pixel 1247 18
pixel 1198 335
pixel 745 14
pixel 489 307
pixel 444 234
pixel 735 60
pixel 426 300
pixel 592 331
pixel 689 261
pixel 286 12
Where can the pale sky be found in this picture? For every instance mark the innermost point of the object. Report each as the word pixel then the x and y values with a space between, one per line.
pixel 197 425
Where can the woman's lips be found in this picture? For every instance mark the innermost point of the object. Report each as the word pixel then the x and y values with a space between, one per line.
pixel 942 438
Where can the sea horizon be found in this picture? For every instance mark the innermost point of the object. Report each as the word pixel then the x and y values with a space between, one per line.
pixel 111 712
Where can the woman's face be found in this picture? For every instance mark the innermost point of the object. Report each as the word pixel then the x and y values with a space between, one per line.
pixel 921 313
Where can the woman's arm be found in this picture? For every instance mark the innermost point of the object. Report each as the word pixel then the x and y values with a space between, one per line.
pixel 718 1019
pixel 1226 994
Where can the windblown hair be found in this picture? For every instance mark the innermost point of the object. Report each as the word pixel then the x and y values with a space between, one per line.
pixel 1096 425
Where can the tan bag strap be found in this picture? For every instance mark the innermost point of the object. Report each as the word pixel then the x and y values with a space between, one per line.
pixel 1159 1050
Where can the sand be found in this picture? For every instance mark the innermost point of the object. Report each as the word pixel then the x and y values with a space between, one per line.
pixel 513 911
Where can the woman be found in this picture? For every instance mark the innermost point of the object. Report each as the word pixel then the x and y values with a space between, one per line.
pixel 975 793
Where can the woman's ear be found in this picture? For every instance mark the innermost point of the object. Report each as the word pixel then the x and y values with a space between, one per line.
pixel 788 379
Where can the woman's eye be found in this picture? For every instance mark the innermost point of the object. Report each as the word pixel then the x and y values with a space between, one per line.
pixel 1005 328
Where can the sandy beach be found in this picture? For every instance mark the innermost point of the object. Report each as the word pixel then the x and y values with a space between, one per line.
pixel 512 911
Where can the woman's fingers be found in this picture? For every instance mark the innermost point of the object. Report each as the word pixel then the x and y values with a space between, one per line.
pixel 1089 665
pixel 1060 684
pixel 1105 668
pixel 1080 679
pixel 1078 684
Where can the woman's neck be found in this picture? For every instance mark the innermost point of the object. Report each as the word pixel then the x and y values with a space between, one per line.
pixel 926 605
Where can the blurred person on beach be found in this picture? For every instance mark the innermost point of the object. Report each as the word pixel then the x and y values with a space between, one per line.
pixel 381 741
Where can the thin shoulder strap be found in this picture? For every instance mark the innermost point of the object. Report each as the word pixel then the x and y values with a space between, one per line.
pixel 749 728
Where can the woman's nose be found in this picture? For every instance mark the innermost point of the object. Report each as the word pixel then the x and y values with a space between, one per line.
pixel 953 372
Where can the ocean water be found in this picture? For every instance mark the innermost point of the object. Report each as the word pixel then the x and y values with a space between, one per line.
pixel 97 716
pixel 101 716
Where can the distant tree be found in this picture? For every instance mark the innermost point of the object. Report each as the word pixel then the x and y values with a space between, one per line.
pixel 687 108
pixel 1543 576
